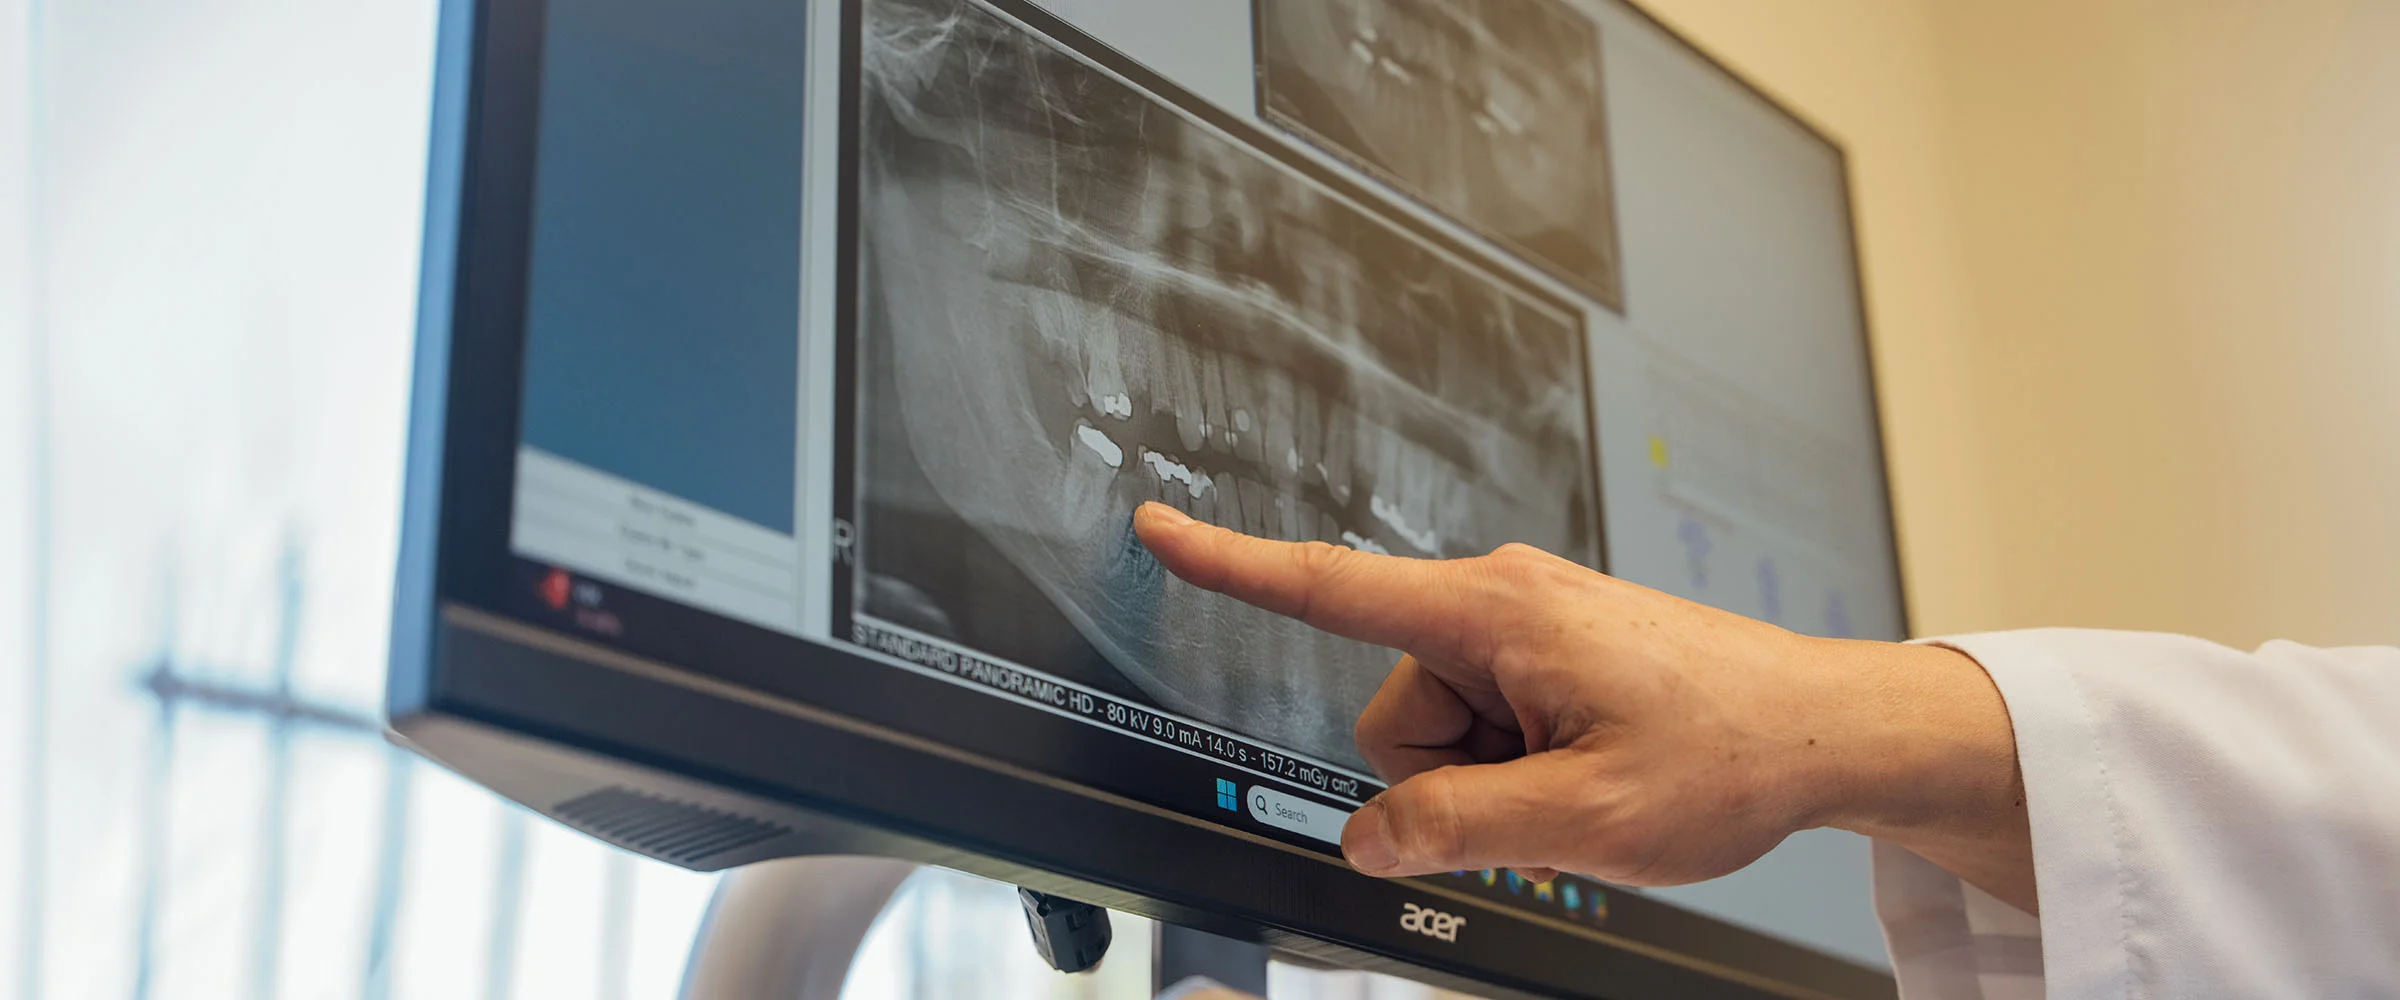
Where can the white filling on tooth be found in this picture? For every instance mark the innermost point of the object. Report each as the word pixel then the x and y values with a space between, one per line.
pixel 1169 470
pixel 1241 421
pixel 1118 405
pixel 1100 445
pixel 1389 513
pixel 1291 457
pixel 1363 544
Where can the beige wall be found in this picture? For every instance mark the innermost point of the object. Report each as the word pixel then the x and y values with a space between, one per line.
pixel 2134 270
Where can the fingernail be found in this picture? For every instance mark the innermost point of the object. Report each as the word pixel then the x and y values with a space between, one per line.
pixel 1367 841
pixel 1164 514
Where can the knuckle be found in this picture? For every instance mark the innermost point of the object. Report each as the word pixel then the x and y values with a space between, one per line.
pixel 1318 558
pixel 1516 583
pixel 1430 831
pixel 1518 563
pixel 1317 565
pixel 1518 552
pixel 1376 721
pixel 1372 734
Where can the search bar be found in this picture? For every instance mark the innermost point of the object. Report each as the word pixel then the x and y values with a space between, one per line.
pixel 1299 815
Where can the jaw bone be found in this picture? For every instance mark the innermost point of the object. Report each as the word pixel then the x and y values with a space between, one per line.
pixel 1063 284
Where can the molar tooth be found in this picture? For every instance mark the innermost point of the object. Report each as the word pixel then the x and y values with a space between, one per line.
pixel 1299 520
pixel 1229 504
pixel 1191 424
pixel 1099 445
pixel 1181 483
pixel 1451 504
pixel 1384 473
pixel 1212 401
pixel 1363 543
pixel 1275 446
pixel 1249 399
pixel 1299 523
pixel 1134 367
pixel 1205 507
pixel 1335 463
pixel 1254 507
pixel 1102 374
pixel 1421 476
pixel 1146 485
pixel 1308 430
pixel 1396 526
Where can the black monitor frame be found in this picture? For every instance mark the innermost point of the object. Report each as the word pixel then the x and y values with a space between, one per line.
pixel 694 745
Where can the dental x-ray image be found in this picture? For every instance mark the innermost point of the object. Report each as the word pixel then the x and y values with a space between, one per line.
pixel 1076 294
pixel 1489 111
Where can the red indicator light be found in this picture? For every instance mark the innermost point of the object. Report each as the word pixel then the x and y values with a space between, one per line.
pixel 556 588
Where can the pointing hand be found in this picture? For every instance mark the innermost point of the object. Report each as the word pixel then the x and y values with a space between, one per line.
pixel 1547 717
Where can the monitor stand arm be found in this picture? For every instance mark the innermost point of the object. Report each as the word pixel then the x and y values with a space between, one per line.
pixel 1178 953
pixel 789 929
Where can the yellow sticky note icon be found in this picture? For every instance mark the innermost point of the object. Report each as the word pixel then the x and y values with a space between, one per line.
pixel 1658 451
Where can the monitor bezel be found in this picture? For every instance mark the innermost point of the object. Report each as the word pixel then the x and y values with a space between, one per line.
pixel 474 661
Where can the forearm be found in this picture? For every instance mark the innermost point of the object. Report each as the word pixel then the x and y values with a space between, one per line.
pixel 1919 753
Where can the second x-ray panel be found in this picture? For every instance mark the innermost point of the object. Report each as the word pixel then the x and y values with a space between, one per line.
pixel 1488 110
pixel 1079 289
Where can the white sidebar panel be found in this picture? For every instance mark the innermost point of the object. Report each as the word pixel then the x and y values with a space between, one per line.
pixel 620 531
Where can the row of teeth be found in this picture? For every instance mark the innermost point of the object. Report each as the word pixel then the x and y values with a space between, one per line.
pixel 1403 515
pixel 1290 444
pixel 1492 118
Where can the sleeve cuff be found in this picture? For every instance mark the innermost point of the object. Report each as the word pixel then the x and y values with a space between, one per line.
pixel 2079 835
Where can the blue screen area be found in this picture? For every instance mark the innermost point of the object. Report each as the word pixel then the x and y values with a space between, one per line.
pixel 662 327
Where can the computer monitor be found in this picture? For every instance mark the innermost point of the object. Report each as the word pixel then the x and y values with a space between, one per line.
pixel 789 371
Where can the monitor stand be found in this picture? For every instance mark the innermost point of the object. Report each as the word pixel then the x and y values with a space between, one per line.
pixel 788 929
pixel 1178 953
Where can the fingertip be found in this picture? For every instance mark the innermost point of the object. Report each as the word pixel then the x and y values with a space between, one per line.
pixel 1153 515
pixel 1367 841
pixel 1157 523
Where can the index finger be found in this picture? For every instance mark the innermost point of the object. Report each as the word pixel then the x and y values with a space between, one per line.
pixel 1420 605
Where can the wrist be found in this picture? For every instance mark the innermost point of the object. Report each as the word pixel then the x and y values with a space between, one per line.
pixel 1920 749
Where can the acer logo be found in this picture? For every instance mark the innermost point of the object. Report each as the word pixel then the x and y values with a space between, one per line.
pixel 1430 922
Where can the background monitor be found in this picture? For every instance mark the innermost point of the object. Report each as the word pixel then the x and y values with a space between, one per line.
pixel 789 372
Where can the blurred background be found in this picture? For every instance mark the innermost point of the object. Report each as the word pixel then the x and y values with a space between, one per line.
pixel 2133 269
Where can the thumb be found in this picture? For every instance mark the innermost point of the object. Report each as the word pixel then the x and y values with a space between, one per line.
pixel 1514 814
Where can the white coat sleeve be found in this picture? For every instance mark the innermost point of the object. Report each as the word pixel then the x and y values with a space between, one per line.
pixel 2206 823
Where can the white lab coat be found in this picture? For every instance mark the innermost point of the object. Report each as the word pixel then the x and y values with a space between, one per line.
pixel 2206 823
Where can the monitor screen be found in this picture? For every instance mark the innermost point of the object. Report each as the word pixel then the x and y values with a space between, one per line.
pixel 862 326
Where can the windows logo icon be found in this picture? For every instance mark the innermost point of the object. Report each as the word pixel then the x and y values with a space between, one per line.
pixel 1227 796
